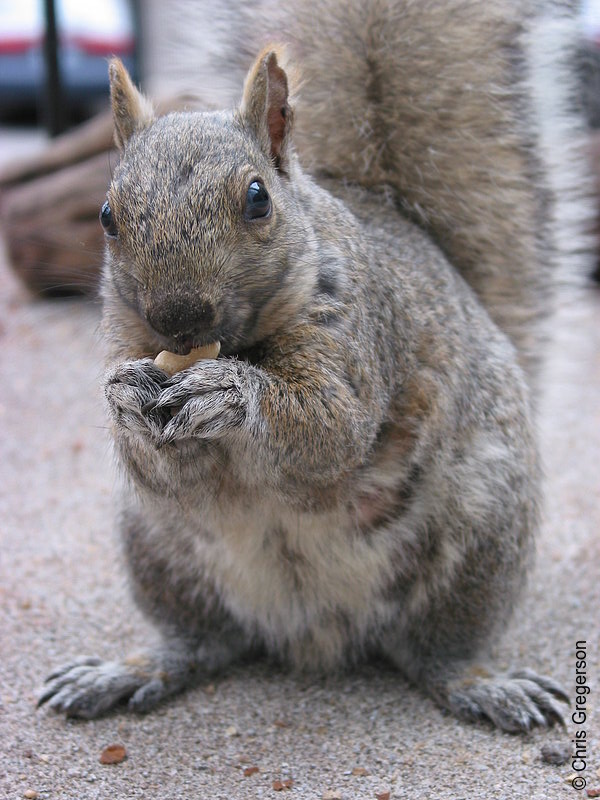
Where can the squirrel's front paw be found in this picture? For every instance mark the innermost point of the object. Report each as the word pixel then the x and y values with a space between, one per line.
pixel 129 388
pixel 206 401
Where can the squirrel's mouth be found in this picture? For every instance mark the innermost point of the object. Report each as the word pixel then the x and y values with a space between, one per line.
pixel 182 344
pixel 228 332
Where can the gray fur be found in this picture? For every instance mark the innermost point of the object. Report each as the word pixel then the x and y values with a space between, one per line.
pixel 357 473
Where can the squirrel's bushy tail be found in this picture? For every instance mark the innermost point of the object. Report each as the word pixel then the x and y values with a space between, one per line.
pixel 459 106
pixel 463 107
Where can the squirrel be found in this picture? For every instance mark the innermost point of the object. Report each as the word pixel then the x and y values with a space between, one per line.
pixel 357 473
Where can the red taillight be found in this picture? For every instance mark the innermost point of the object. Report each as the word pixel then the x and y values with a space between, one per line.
pixel 18 44
pixel 100 47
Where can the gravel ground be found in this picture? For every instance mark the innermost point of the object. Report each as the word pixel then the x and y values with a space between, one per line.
pixel 359 735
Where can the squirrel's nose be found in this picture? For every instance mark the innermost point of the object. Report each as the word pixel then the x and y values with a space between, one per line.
pixel 186 320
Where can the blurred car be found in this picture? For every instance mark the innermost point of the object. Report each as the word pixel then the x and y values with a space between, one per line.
pixel 88 34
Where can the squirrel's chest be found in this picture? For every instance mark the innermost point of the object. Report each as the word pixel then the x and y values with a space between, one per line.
pixel 307 583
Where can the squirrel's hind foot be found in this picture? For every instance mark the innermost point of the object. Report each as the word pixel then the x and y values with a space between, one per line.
pixel 515 702
pixel 89 687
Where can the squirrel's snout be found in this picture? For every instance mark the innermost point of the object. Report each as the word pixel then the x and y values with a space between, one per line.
pixel 184 321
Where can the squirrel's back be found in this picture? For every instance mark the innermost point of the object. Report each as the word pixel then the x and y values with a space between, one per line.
pixel 442 101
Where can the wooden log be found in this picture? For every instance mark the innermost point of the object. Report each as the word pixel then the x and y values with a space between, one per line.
pixel 88 139
pixel 53 236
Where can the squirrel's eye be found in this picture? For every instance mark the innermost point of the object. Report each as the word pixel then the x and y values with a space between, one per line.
pixel 258 202
pixel 107 221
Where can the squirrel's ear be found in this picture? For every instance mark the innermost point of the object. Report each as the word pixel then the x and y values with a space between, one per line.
pixel 265 105
pixel 131 110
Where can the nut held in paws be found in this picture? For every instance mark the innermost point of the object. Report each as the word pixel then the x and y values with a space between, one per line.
pixel 172 363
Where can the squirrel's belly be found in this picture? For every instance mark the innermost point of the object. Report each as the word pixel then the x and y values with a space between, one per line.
pixel 311 586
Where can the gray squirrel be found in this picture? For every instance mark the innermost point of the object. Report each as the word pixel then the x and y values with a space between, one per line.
pixel 356 474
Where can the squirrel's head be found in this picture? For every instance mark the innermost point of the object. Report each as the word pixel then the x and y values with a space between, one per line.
pixel 206 236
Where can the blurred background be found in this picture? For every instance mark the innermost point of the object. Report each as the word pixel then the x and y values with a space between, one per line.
pixel 53 57
pixel 53 77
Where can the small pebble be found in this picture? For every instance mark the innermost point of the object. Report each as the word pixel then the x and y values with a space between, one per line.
pixel 113 754
pixel 280 786
pixel 556 753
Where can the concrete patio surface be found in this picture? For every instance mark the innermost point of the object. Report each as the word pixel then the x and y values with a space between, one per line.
pixel 354 736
